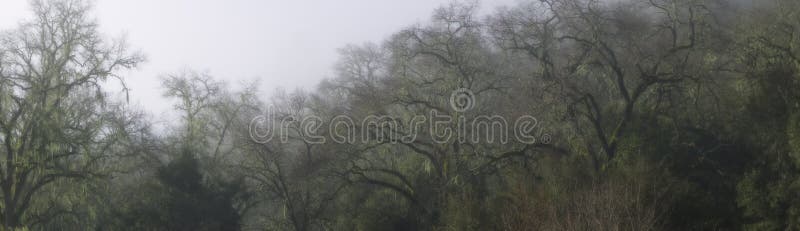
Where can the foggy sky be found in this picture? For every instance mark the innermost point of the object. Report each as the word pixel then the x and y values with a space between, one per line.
pixel 287 44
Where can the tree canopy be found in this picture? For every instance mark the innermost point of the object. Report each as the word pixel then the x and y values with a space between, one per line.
pixel 544 115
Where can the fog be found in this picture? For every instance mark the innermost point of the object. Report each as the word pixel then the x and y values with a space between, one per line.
pixel 385 115
pixel 281 44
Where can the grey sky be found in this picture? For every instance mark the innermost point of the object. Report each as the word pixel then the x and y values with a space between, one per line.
pixel 286 44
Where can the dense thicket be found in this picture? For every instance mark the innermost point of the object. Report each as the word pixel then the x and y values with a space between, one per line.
pixel 647 114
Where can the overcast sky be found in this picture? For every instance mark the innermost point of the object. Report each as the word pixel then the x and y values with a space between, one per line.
pixel 285 43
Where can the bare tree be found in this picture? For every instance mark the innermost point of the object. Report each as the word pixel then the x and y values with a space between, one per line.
pixel 51 104
pixel 601 60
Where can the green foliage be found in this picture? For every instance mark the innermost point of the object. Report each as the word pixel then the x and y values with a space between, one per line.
pixel 182 200
pixel 659 115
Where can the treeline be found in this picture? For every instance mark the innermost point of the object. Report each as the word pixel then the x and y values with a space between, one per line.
pixel 649 115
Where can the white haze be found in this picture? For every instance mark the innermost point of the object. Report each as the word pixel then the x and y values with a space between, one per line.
pixel 283 44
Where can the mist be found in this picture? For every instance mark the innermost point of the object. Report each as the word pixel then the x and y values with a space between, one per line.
pixel 413 115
